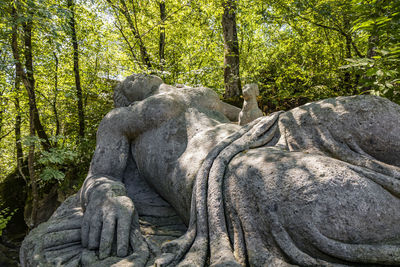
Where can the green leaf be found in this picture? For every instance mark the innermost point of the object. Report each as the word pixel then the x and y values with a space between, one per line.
pixel 379 73
pixel 50 173
pixel 371 72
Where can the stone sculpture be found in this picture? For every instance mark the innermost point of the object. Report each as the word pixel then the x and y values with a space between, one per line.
pixel 315 186
pixel 250 110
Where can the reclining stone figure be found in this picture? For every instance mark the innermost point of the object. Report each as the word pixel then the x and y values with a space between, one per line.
pixel 315 186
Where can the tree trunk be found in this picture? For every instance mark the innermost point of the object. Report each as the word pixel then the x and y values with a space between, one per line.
pixel 35 125
pixel 31 83
pixel 54 104
pixel 135 31
pixel 161 50
pixel 373 41
pixel 34 121
pixel 32 174
pixel 231 55
pixel 81 114
pixel 123 9
pixel 18 122
pixel 347 77
pixel 348 40
pixel 28 78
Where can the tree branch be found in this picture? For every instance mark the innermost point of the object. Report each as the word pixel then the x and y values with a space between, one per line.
pixel 7 134
pixel 143 51
pixel 356 49
pixel 125 38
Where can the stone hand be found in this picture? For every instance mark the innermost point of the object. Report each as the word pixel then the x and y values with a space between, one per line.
pixel 109 213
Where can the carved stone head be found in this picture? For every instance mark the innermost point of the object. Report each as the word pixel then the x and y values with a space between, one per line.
pixel 135 88
pixel 250 91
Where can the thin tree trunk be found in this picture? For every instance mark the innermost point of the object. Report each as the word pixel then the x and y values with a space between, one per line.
pixel 34 122
pixel 32 174
pixel 31 83
pixel 81 114
pixel 348 40
pixel 18 122
pixel 161 50
pixel 373 41
pixel 28 78
pixel 231 55
pixel 18 78
pixel 54 104
pixel 120 29
pixel 347 77
pixel 123 9
pixel 135 31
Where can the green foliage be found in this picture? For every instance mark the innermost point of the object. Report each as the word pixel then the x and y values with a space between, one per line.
pixel 380 74
pixel 378 26
pixel 50 173
pixel 5 217
pixel 52 164
pixel 54 161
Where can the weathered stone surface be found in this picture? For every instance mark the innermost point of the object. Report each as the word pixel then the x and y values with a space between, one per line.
pixel 315 186
pixel 250 110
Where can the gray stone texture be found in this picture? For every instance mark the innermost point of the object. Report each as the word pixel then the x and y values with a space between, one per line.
pixel 173 182
pixel 250 110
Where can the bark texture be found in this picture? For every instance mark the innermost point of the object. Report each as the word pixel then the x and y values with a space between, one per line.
pixel 81 113
pixel 35 125
pixel 27 77
pixel 54 104
pixel 161 49
pixel 231 50
pixel 18 122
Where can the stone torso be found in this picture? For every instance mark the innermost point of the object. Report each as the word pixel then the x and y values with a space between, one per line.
pixel 169 155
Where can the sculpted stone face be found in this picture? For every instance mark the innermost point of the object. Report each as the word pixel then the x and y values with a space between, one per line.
pixel 314 186
pixel 250 91
pixel 136 88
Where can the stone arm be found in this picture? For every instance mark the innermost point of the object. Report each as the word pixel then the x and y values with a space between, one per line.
pixel 106 207
pixel 115 133
pixel 231 112
pixel 111 153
